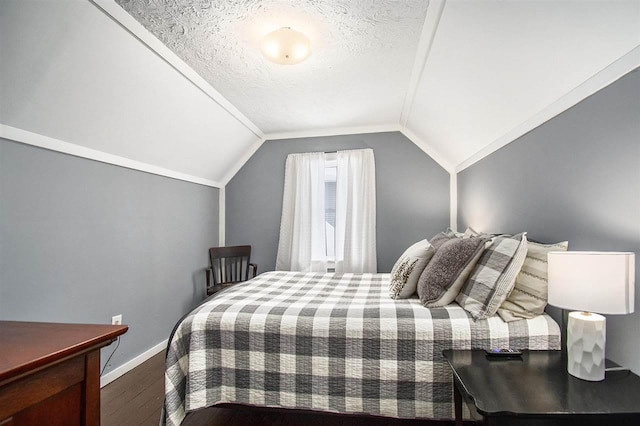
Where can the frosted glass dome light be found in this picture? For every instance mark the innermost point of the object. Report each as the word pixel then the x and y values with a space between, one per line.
pixel 286 46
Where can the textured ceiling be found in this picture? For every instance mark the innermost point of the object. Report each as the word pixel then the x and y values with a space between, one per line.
pixel 357 75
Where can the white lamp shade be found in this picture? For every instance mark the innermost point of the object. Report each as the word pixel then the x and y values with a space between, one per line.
pixel 602 282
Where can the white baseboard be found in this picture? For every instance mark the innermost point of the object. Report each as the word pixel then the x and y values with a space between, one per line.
pixel 131 364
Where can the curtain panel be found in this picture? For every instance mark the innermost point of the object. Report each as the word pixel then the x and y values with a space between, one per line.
pixel 302 230
pixel 356 212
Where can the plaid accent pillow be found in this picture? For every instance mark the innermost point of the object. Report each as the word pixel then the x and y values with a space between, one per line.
pixel 529 296
pixel 494 276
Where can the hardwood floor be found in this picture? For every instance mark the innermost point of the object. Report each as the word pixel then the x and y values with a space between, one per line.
pixel 137 397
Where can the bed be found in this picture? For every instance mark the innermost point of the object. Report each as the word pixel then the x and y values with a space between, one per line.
pixel 334 343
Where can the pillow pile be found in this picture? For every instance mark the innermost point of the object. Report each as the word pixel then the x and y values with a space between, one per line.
pixel 529 296
pixel 407 270
pixel 494 276
pixel 486 274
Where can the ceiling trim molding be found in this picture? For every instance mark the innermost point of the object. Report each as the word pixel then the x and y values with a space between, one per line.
pixel 428 35
pixel 243 159
pixel 617 69
pixel 340 131
pixel 46 142
pixel 137 30
pixel 334 131
pixel 428 149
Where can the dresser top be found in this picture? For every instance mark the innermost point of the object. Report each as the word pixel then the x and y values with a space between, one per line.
pixel 28 346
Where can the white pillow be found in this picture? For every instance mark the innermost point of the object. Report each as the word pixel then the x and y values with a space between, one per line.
pixel 408 268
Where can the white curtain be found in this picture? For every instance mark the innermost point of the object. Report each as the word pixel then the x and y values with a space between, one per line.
pixel 356 212
pixel 302 241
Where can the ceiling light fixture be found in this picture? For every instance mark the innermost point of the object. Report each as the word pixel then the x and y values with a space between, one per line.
pixel 286 46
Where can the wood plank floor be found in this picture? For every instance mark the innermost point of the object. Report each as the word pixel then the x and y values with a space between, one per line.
pixel 137 397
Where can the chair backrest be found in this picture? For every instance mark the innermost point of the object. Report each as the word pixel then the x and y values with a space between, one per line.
pixel 230 264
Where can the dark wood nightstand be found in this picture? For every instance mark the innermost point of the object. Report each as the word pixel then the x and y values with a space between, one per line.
pixel 537 390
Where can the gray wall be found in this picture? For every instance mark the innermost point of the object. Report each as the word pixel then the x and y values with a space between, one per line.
pixel 412 194
pixel 575 178
pixel 82 241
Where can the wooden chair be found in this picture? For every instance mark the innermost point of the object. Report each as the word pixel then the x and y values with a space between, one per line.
pixel 228 266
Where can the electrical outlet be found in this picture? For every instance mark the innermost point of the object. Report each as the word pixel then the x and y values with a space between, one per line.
pixel 116 320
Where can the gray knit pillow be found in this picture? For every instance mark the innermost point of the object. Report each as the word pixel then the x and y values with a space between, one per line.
pixel 443 277
pixel 439 239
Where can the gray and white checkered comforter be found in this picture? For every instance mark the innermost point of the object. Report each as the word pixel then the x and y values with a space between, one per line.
pixel 328 342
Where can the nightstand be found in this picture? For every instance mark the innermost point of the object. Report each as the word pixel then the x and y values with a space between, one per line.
pixel 537 390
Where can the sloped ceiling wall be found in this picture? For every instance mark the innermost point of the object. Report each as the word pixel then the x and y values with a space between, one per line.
pixel 71 73
pixel 459 78
pixel 495 64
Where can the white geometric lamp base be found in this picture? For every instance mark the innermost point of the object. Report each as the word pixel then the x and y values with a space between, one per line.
pixel 586 336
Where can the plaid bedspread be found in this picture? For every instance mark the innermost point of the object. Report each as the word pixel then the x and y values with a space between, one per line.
pixel 328 342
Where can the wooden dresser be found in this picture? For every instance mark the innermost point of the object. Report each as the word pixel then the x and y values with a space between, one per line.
pixel 50 373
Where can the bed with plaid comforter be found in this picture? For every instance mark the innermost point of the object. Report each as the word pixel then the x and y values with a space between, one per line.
pixel 328 342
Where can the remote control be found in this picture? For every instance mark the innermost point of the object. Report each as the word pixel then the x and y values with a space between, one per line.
pixel 503 353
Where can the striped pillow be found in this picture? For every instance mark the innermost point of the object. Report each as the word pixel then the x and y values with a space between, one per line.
pixel 529 297
pixel 494 276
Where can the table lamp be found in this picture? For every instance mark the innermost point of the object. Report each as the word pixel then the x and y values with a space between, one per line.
pixel 590 282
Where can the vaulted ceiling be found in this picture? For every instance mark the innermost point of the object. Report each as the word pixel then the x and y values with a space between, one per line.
pixel 480 68
pixel 181 85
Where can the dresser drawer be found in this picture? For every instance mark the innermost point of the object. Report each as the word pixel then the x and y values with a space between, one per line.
pixel 33 389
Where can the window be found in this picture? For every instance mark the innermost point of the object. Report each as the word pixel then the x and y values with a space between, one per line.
pixel 330 168
pixel 328 213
